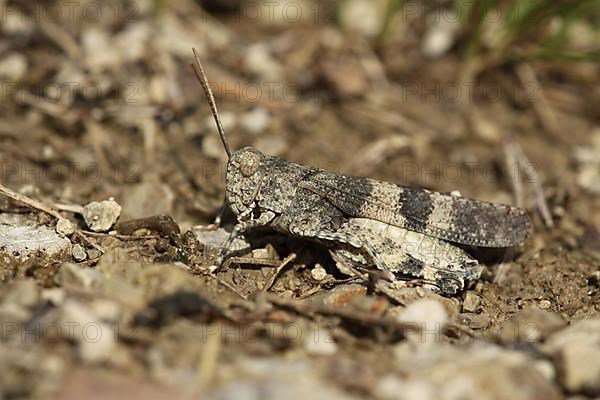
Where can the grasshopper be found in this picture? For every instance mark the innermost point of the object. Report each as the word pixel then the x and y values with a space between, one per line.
pixel 406 234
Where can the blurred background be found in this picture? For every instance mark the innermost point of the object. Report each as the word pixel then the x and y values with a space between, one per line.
pixel 496 99
pixel 98 97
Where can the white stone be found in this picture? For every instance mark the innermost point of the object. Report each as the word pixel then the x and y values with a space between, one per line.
pixel 213 241
pixel 55 296
pixel 100 53
pixel 430 316
pixel 65 227
pixel 319 341
pixel 22 292
pixel 73 274
pixel 101 216
pixel 439 38
pixel 545 304
pixel 79 253
pixel 256 120
pixel 471 302
pixel 95 339
pixel 362 16
pixel 13 67
pixel 23 241
pixel 577 351
pixel 146 199
pixel 259 61
pixel 318 273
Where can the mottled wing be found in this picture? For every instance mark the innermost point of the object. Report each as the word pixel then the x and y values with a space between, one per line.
pixel 452 218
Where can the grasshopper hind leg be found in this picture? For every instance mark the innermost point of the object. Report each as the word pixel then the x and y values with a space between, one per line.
pixel 352 262
pixel 409 256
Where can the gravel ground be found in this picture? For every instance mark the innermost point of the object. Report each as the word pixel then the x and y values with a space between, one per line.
pixel 109 292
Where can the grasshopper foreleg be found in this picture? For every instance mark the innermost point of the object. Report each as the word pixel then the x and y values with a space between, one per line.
pixel 241 227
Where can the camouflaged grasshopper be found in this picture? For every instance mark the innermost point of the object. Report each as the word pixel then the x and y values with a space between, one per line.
pixel 367 225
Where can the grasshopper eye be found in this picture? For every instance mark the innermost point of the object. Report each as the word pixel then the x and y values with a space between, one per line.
pixel 249 164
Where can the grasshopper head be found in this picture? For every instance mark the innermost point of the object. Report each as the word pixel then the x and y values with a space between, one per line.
pixel 245 175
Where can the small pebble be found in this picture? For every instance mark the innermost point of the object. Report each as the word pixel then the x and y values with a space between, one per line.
pixel 255 121
pixel 318 273
pixel 471 302
pixel 22 292
pixel 576 350
pixel 440 37
pixel 95 343
pixel 361 16
pixel 146 199
pixel 79 253
pixel 213 240
pixel 13 66
pixel 529 325
pixel 319 342
pixel 99 52
pixel 475 321
pixel 71 274
pixel 65 227
pixel 430 315
pixel 93 254
pixel 259 60
pixel 545 304
pixel 101 216
pixel 55 296
pixel 394 388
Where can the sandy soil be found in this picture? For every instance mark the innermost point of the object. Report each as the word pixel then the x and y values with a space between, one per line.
pixel 108 107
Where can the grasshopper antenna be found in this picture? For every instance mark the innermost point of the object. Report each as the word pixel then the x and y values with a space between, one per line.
pixel 201 76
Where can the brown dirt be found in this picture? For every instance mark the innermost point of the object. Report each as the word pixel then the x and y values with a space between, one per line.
pixel 155 151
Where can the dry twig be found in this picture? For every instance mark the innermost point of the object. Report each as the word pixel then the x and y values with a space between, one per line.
pixel 228 286
pixel 363 318
pixel 29 201
pixel 515 152
pixel 281 266
pixel 540 104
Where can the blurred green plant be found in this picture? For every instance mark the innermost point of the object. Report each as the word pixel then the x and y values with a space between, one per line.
pixel 532 29
pixel 502 30
pixel 158 6
pixel 392 8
